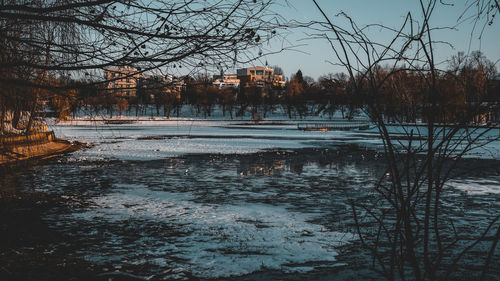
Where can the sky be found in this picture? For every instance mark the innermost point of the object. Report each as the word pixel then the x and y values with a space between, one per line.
pixel 314 57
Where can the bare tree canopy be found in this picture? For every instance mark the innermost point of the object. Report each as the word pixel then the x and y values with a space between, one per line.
pixel 48 45
pixel 278 70
pixel 75 36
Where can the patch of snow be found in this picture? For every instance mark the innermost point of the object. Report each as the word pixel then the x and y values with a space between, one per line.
pixel 476 186
pixel 221 240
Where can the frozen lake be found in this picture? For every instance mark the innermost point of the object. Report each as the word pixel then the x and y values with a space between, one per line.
pixel 234 212
pixel 149 140
pixel 216 199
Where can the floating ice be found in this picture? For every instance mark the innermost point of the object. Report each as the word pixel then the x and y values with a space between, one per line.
pixel 221 240
pixel 476 186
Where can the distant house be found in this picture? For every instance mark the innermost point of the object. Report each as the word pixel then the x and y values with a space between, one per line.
pixel 122 81
pixel 260 75
pixel 278 81
pixel 487 113
pixel 257 73
pixel 226 81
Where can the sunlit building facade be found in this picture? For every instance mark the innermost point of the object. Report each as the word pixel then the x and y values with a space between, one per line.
pixel 226 81
pixel 260 75
pixel 122 81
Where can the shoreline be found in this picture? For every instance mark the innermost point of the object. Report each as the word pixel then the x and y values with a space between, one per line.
pixel 11 154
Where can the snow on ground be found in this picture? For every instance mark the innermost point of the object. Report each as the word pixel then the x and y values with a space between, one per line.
pixel 191 112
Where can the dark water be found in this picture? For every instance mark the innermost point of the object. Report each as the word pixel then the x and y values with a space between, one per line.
pixel 273 214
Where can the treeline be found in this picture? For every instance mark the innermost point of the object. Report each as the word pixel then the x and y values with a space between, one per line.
pixel 301 96
pixel 468 90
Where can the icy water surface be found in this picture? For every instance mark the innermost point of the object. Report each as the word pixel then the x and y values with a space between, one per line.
pixel 208 215
pixel 185 201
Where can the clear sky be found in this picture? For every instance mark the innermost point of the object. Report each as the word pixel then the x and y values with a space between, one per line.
pixel 311 56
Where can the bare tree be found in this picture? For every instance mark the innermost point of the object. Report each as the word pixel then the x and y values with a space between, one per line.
pixel 78 39
pixel 405 225
pixel 481 12
pixel 278 70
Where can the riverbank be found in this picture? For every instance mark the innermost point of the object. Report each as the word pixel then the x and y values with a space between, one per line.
pixel 34 146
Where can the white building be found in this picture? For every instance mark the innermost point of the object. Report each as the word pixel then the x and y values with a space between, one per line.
pixel 226 81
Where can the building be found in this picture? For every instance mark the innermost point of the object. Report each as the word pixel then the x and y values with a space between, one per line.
pixel 122 81
pixel 226 81
pixel 278 81
pixel 256 73
pixel 260 75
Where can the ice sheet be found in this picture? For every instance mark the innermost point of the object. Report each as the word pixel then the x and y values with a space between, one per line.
pixel 476 186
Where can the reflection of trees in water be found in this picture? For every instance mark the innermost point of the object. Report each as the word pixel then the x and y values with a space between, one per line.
pixel 346 161
pixel 260 166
